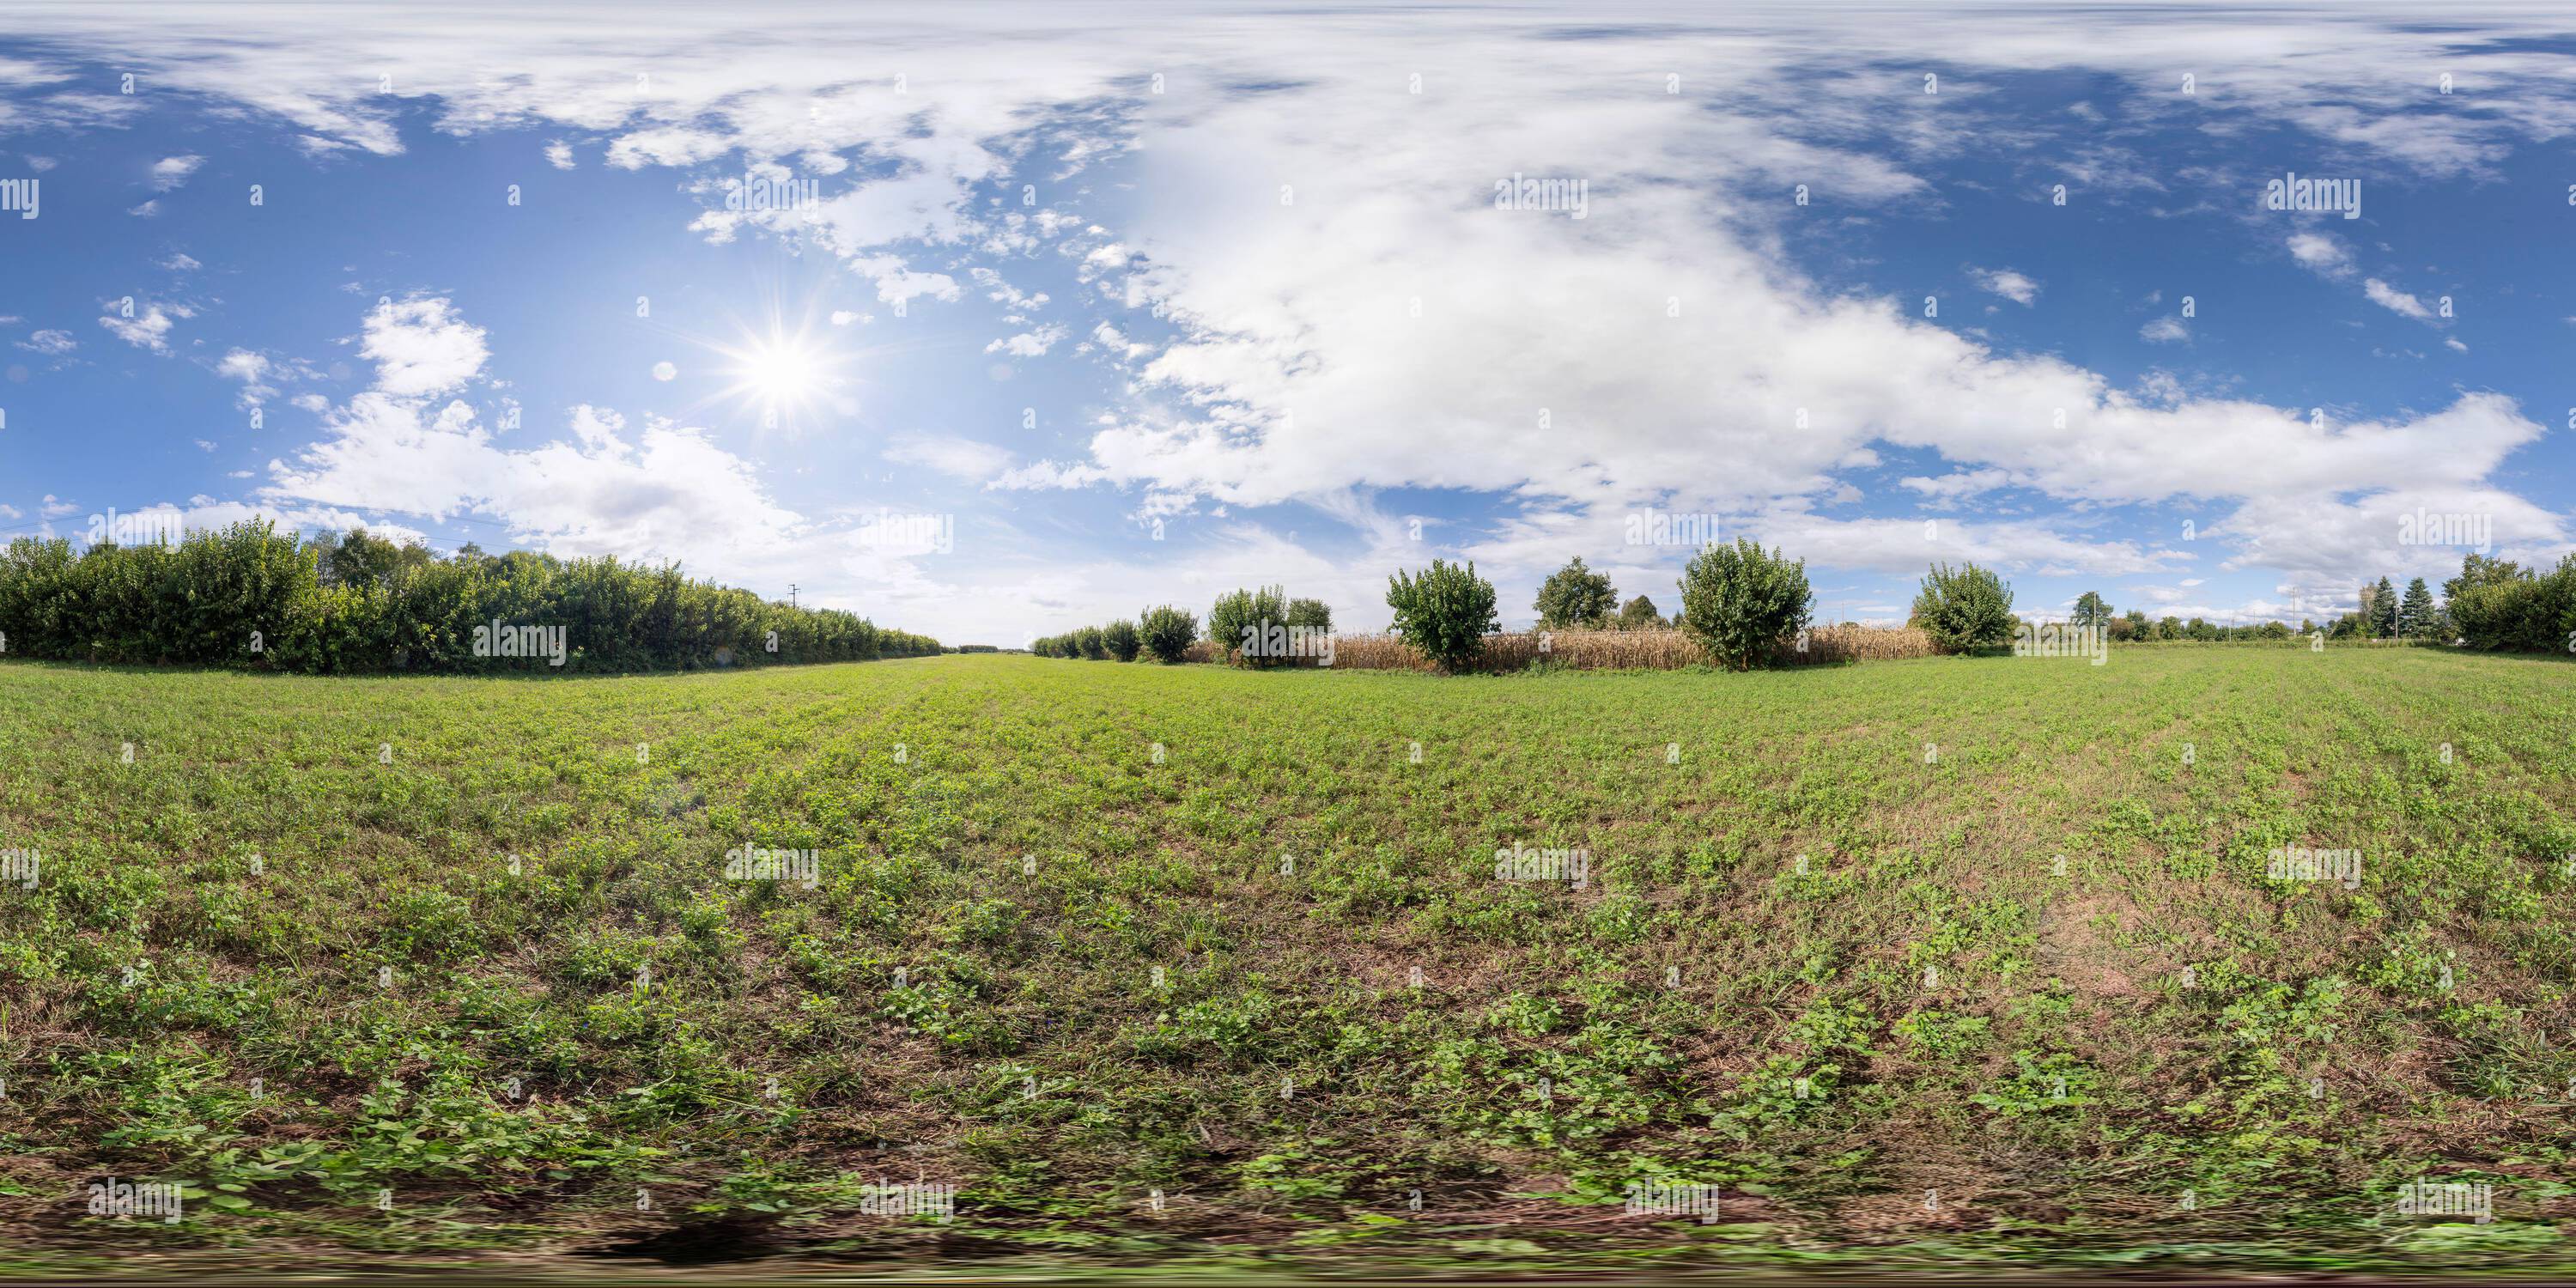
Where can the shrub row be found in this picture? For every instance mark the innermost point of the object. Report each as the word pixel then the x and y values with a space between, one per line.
pixel 250 596
pixel 1744 606
pixel 2498 605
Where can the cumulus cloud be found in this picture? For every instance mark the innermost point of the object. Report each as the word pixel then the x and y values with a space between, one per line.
pixel 421 346
pixel 51 343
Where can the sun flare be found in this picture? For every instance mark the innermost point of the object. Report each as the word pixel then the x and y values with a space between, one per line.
pixel 785 375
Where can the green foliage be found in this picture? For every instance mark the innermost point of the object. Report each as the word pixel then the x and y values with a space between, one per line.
pixel 1576 597
pixel 2496 605
pixel 1639 615
pixel 1123 641
pixel 1965 609
pixel 2091 610
pixel 1446 612
pixel 1311 614
pixel 248 596
pixel 1241 624
pixel 2416 616
pixel 1740 601
pixel 1168 633
pixel 2383 610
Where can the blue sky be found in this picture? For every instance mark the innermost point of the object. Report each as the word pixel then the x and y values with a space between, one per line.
pixel 1073 313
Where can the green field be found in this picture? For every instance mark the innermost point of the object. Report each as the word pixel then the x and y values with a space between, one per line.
pixel 1935 1040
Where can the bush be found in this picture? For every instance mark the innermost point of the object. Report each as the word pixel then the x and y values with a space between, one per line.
pixel 1091 644
pixel 1446 612
pixel 250 596
pixel 1312 614
pixel 1970 608
pixel 1739 602
pixel 1167 633
pixel 2499 606
pixel 1575 597
pixel 1245 618
pixel 1122 640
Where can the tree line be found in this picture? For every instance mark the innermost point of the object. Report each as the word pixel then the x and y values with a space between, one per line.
pixel 1740 603
pixel 250 596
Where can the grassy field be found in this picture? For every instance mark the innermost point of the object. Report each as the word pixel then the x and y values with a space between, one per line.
pixel 1950 958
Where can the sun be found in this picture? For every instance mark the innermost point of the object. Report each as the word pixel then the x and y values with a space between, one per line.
pixel 782 369
pixel 787 375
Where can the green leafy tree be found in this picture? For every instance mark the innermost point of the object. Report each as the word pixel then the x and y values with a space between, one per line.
pixel 1122 639
pixel 1446 612
pixel 1739 601
pixel 1240 624
pixel 1575 597
pixel 1090 643
pixel 1311 614
pixel 2091 610
pixel 1964 608
pixel 1639 615
pixel 2479 571
pixel 1168 633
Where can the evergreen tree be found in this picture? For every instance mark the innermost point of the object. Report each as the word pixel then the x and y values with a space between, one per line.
pixel 2416 616
pixel 2383 610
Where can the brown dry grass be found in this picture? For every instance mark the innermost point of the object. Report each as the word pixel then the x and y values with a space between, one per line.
pixel 1663 650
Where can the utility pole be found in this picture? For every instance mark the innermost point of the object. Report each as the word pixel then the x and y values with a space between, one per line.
pixel 791 594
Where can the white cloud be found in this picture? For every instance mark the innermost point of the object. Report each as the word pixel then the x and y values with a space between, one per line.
pixel 2321 253
pixel 2389 297
pixel 2165 330
pixel 169 173
pixel 421 346
pixel 148 330
pixel 181 262
pixel 52 344
pixel 957 457
pixel 559 155
pixel 147 210
pixel 1951 487
pixel 2006 283
pixel 1030 344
